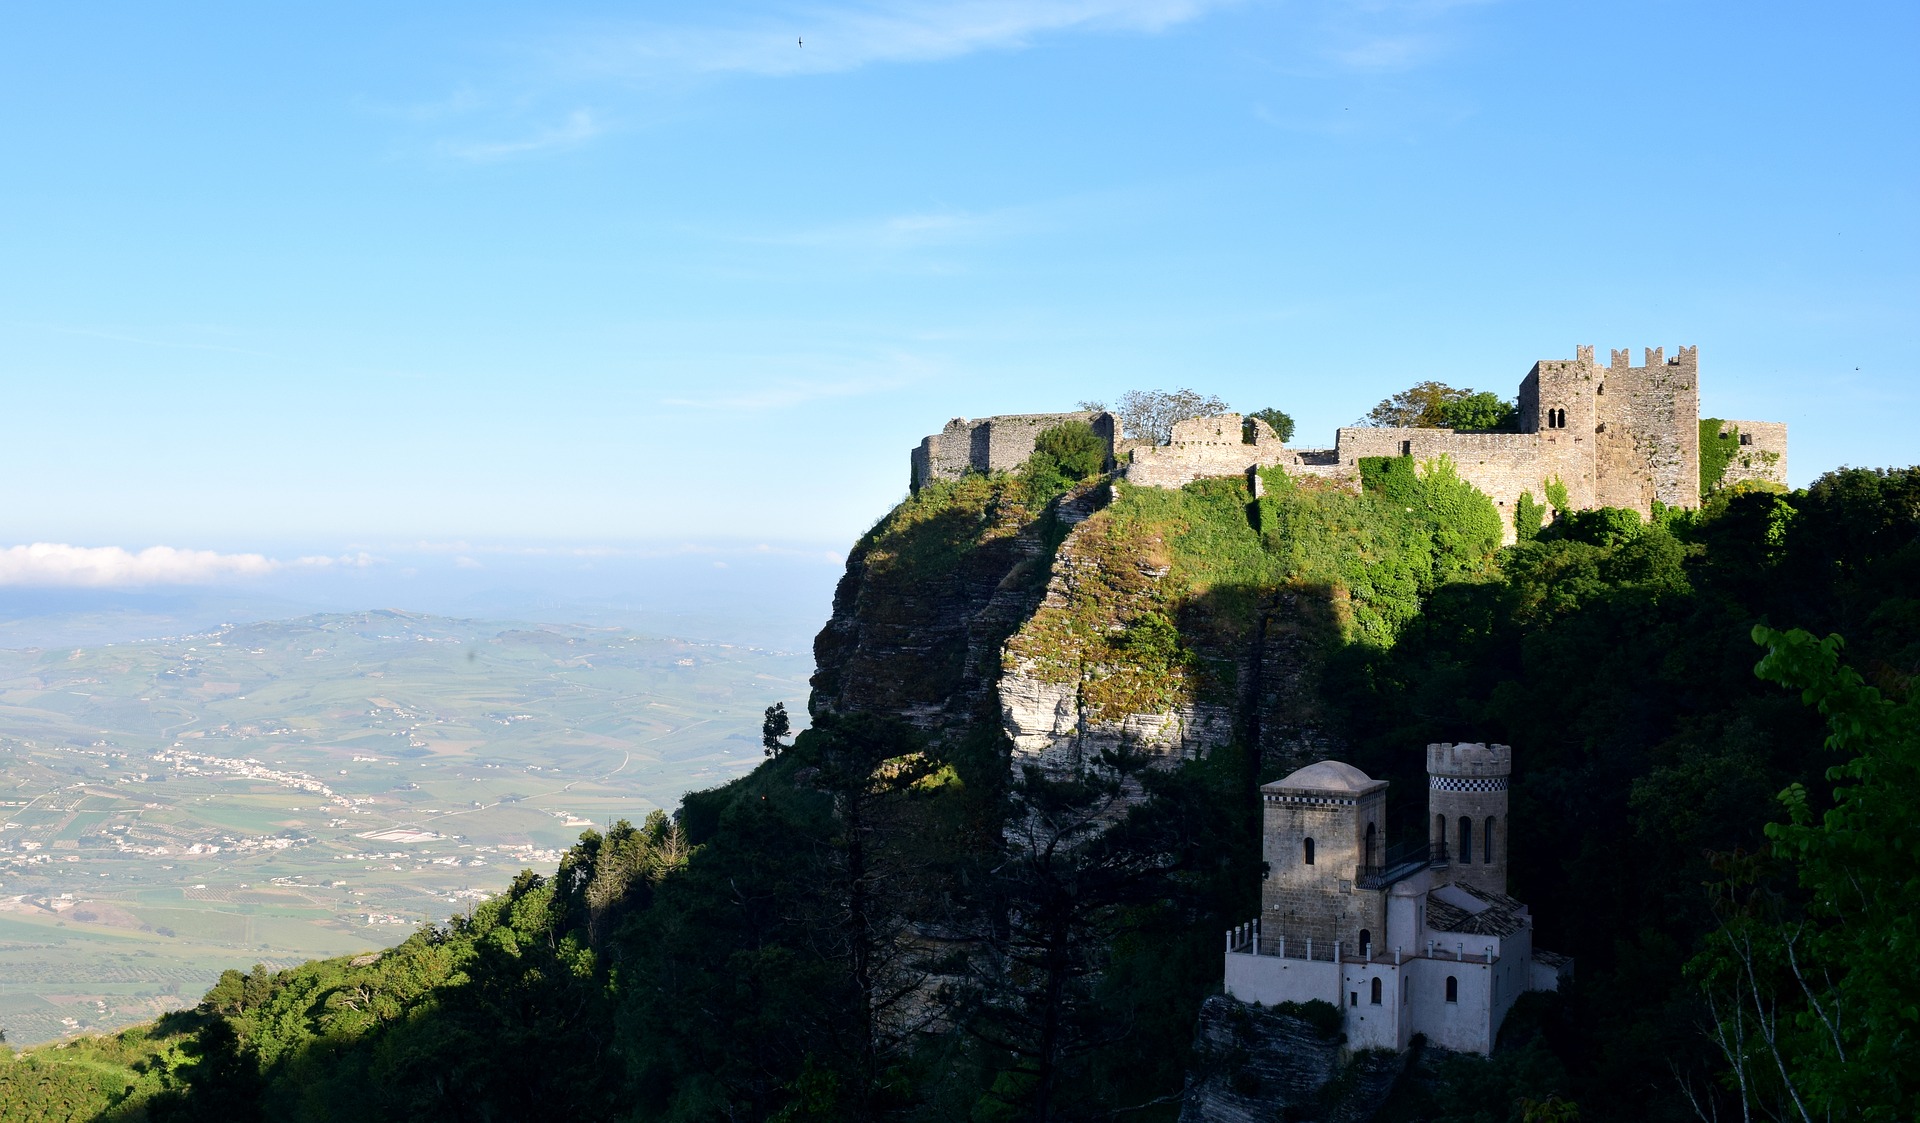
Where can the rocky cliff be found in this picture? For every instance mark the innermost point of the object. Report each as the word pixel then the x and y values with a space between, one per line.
pixel 1115 617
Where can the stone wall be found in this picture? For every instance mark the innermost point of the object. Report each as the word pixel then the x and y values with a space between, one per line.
pixel 995 444
pixel 1500 464
pixel 1762 454
pixel 1318 901
pixel 1616 435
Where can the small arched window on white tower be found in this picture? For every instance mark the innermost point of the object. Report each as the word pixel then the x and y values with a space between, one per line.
pixel 1453 989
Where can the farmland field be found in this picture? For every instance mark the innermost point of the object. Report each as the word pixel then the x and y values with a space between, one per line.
pixel 273 792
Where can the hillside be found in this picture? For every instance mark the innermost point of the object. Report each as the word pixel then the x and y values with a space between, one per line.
pixel 283 790
pixel 989 881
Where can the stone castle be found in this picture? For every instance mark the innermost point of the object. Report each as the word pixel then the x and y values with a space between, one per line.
pixel 1615 436
pixel 1419 939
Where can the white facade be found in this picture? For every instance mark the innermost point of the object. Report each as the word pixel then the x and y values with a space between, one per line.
pixel 1452 959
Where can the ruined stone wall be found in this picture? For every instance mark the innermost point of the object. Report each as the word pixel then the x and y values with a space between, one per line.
pixel 1500 464
pixel 1762 452
pixel 1647 431
pixel 1616 435
pixel 995 444
pixel 1319 900
pixel 1203 447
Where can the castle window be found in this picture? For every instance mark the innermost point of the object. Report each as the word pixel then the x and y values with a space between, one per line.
pixel 1486 849
pixel 1353 998
pixel 1453 989
pixel 1746 438
pixel 1366 942
pixel 1440 835
pixel 1306 851
pixel 1376 991
pixel 1466 840
pixel 1406 448
pixel 1369 860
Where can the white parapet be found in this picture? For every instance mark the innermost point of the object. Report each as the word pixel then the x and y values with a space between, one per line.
pixel 1273 979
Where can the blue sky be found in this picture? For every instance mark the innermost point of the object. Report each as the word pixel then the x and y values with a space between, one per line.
pixel 445 279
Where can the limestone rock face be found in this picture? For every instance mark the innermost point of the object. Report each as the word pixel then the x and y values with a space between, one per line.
pixel 967 610
pixel 919 617
pixel 1068 692
pixel 1254 1065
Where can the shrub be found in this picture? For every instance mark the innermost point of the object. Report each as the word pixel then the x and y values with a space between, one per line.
pixel 1279 422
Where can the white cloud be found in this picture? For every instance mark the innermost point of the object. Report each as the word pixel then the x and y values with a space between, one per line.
pixel 50 563
pixel 100 567
pixel 579 127
pixel 826 40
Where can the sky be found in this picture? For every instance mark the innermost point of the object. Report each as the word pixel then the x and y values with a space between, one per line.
pixel 437 288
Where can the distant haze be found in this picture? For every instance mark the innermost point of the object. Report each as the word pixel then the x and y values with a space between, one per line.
pixel 578 272
pixel 763 595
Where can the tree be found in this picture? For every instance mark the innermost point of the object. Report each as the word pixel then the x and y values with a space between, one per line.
pixel 1063 456
pixel 774 728
pixel 1281 423
pixel 1814 1000
pixel 1152 414
pixel 1528 517
pixel 1436 405
pixel 1481 410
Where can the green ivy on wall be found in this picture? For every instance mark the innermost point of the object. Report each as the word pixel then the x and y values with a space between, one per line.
pixel 1718 447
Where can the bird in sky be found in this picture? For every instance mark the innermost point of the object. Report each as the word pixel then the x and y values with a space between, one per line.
pixel 802 40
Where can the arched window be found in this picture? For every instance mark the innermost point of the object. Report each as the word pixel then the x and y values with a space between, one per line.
pixel 1453 989
pixel 1376 990
pixel 1466 839
pixel 1306 851
pixel 1440 835
pixel 1486 847
pixel 1370 859
pixel 1366 942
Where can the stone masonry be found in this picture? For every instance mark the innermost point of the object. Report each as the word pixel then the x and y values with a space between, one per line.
pixel 1616 435
pixel 1334 812
pixel 994 444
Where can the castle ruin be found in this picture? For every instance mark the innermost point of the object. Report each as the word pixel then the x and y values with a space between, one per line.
pixel 1616 435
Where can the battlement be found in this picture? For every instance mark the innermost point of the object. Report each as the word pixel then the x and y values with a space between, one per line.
pixel 1612 436
pixel 1469 758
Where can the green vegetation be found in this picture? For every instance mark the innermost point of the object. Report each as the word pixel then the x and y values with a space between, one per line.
pixel 1062 456
pixel 1811 993
pixel 877 923
pixel 1435 405
pixel 494 742
pixel 1719 444
pixel 1528 517
pixel 1279 421
pixel 1555 490
pixel 1614 656
pixel 1168 587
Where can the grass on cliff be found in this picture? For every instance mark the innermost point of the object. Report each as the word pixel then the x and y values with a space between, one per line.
pixel 1163 589
pixel 105 1078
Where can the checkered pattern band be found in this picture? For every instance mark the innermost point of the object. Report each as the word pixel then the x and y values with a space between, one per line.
pixel 1467 783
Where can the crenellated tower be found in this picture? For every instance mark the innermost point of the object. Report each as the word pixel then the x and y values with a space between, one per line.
pixel 1467 805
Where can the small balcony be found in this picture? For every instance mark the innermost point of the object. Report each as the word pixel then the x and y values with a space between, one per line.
pixel 1400 863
